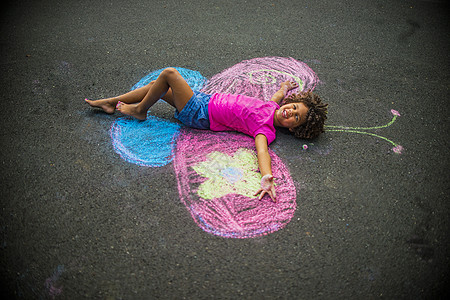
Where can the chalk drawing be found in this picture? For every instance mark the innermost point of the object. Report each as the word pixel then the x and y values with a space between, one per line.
pixel 145 143
pixel 195 80
pixel 50 283
pixel 235 174
pixel 217 177
pixel 151 142
pixel 217 173
pixel 261 77
pixel 227 175
pixel 363 130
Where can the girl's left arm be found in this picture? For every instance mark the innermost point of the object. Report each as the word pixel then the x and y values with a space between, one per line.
pixel 284 88
pixel 265 167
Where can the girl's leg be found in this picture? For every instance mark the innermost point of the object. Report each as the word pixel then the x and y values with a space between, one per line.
pixel 109 104
pixel 170 86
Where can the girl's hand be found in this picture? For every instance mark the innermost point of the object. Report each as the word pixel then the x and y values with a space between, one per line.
pixel 288 85
pixel 284 88
pixel 267 187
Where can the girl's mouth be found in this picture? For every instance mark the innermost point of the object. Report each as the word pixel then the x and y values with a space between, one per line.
pixel 284 114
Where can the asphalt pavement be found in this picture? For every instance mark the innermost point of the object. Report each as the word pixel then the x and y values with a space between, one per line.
pixel 78 221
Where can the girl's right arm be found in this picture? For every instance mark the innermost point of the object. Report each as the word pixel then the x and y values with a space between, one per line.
pixel 265 167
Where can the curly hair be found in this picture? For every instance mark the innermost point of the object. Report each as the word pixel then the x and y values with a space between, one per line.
pixel 315 118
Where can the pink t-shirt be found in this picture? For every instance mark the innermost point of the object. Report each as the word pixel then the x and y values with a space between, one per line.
pixel 241 113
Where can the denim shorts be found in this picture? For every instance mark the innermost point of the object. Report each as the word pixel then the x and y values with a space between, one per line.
pixel 195 112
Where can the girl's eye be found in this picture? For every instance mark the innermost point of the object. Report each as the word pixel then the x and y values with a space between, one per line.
pixel 296 118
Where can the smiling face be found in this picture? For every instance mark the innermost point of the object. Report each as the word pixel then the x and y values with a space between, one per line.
pixel 290 115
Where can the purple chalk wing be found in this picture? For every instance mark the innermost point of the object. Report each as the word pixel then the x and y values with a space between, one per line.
pixel 227 209
pixel 261 77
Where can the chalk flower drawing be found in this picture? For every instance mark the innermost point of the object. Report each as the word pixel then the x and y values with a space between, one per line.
pixel 212 172
pixel 235 174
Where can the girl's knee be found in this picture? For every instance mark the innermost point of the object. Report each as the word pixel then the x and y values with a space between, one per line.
pixel 170 72
pixel 170 75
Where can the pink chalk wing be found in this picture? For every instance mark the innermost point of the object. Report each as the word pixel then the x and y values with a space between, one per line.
pixel 231 215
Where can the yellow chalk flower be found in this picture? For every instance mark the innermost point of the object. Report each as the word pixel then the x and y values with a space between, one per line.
pixel 229 174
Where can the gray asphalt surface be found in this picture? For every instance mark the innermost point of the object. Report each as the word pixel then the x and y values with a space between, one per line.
pixel 78 222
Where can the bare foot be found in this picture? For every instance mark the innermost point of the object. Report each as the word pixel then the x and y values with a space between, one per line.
pixel 131 110
pixel 108 105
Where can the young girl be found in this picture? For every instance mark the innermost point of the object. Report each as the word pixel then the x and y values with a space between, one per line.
pixel 302 114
